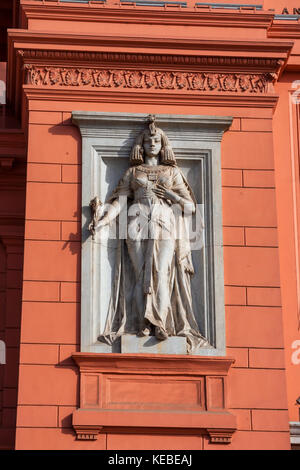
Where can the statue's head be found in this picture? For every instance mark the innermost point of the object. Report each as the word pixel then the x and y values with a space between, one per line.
pixel 152 142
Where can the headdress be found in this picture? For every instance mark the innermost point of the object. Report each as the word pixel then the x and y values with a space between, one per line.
pixel 167 156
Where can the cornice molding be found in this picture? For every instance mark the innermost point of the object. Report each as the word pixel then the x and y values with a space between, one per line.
pixel 289 31
pixel 151 73
pixel 284 30
pixel 144 15
pixel 146 65
pixel 141 77
pixel 293 64
pixel 140 53
pixel 222 63
pixel 27 39
pixel 137 96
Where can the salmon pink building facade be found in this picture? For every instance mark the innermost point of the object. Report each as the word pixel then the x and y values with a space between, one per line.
pixel 78 80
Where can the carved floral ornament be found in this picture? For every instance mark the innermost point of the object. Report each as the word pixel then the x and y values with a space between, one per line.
pixel 149 79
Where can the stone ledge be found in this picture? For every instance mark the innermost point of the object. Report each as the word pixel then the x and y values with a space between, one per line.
pixel 89 423
pixel 161 363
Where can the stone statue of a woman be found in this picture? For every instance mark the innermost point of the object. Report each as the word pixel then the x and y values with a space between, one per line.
pixel 151 292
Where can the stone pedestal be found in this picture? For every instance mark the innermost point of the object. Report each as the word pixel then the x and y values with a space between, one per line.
pixel 149 393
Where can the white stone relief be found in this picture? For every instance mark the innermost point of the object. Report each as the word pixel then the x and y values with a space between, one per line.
pixel 154 291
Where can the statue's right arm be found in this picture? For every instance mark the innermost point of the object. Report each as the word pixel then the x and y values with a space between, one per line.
pixel 112 212
pixel 118 200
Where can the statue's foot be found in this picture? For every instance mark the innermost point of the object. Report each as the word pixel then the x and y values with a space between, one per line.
pixel 160 333
pixel 145 332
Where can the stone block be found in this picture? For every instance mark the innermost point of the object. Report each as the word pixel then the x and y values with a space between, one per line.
pixel 149 344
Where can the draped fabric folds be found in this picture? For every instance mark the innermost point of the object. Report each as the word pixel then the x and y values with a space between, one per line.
pixel 153 268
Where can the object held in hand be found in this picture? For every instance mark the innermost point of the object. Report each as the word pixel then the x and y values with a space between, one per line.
pixel 96 208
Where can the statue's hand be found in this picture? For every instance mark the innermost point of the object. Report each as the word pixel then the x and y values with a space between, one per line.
pixel 103 221
pixel 164 193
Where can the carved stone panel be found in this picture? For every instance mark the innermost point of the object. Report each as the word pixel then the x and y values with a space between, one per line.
pixel 107 141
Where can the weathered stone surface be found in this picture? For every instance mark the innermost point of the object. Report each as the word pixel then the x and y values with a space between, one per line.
pixel 149 344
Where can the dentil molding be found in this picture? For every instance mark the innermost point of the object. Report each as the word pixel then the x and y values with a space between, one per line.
pixel 56 56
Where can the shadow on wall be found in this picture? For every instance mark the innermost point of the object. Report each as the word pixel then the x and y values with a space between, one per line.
pixel 65 132
pixel 73 247
pixel 71 155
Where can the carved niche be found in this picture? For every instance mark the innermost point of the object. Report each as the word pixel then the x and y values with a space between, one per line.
pixel 107 140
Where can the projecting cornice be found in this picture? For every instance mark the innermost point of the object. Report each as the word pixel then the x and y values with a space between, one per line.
pixel 203 62
pixel 143 66
pixel 290 30
pixel 142 14
pixel 138 44
pixel 156 97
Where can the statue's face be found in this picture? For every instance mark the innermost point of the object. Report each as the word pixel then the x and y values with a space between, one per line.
pixel 152 144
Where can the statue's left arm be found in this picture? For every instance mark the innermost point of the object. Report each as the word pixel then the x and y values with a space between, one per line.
pixel 180 193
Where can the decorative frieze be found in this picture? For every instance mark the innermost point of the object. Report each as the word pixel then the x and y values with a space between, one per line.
pixel 149 79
